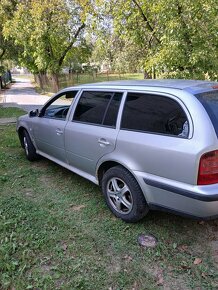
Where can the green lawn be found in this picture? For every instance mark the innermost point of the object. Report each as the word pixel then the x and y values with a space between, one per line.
pixel 66 80
pixel 10 112
pixel 57 233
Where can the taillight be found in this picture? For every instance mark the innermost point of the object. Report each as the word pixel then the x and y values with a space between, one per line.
pixel 208 168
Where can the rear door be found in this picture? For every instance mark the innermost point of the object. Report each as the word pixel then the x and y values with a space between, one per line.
pixel 92 132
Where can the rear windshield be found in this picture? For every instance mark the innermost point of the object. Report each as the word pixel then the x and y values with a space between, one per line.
pixel 210 102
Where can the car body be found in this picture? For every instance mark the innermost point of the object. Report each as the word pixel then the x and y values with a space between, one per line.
pixel 149 144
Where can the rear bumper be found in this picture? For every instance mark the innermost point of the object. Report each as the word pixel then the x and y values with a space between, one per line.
pixel 203 196
pixel 184 199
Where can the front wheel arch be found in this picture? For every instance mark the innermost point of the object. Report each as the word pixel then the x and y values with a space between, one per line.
pixel 29 148
pixel 20 135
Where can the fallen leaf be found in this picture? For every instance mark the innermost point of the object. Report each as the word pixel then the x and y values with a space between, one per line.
pixel 182 248
pixel 184 265
pixel 174 246
pixel 160 279
pixel 64 246
pixel 147 241
pixel 135 286
pixel 197 261
pixel 128 258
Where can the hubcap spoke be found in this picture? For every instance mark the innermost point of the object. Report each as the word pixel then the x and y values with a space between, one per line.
pixel 118 204
pixel 111 194
pixel 115 185
pixel 126 203
pixel 124 190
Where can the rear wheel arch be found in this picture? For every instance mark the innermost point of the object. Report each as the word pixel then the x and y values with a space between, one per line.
pixel 105 166
pixel 123 194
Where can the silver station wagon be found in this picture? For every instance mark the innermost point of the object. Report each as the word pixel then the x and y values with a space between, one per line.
pixel 148 144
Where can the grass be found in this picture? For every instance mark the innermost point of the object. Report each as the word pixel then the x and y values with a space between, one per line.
pixel 57 233
pixel 74 79
pixel 10 112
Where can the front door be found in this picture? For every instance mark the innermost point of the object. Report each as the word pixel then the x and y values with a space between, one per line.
pixel 48 129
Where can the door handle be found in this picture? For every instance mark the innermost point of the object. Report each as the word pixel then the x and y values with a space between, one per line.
pixel 103 142
pixel 59 132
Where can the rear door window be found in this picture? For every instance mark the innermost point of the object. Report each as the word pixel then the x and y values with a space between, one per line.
pixel 100 108
pixel 154 114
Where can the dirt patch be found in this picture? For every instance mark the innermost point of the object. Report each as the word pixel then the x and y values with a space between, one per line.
pixel 165 279
pixel 114 265
pixel 77 207
pixel 29 192
pixel 46 180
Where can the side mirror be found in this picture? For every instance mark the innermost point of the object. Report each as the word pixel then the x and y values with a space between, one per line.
pixel 34 113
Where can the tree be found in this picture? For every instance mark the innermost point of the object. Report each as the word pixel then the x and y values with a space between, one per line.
pixel 47 32
pixel 8 51
pixel 171 38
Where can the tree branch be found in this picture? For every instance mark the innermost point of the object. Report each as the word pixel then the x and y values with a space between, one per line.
pixel 71 44
pixel 150 28
pixel 2 53
pixel 185 29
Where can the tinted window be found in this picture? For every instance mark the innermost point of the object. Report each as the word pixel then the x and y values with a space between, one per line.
pixel 156 114
pixel 98 108
pixel 210 102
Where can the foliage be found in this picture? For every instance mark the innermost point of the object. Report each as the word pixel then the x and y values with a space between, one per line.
pixel 47 31
pixel 8 51
pixel 170 38
pixel 165 38
pixel 78 78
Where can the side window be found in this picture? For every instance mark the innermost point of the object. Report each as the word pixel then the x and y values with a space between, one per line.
pixel 99 108
pixel 58 107
pixel 154 114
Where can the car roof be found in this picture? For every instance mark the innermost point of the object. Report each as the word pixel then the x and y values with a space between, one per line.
pixel 193 86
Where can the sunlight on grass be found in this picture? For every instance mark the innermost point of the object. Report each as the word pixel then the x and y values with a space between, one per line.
pixel 11 112
pixel 68 80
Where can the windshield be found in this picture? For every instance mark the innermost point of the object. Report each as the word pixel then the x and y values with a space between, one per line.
pixel 210 102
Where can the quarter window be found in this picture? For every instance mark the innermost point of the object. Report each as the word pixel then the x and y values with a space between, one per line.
pixel 99 108
pixel 154 114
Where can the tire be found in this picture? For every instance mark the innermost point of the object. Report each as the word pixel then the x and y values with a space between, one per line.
pixel 123 194
pixel 29 148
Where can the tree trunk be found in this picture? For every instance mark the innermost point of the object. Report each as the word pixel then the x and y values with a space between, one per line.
pixel 39 80
pixel 1 85
pixel 147 75
pixel 55 82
